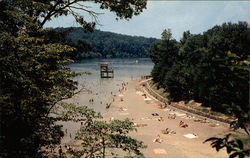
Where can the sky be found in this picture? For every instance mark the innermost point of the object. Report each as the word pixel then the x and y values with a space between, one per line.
pixel 179 16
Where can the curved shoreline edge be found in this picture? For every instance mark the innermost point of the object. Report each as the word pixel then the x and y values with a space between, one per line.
pixel 145 85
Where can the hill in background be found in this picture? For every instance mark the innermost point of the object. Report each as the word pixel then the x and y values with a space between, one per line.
pixel 101 44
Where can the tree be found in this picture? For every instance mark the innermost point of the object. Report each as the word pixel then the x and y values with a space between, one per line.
pixel 235 148
pixel 33 80
pixel 101 138
pixel 163 53
pixel 34 76
pixel 185 36
pixel 166 34
pixel 212 68
pixel 105 44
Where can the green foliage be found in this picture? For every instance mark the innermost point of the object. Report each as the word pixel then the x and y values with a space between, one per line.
pixel 71 112
pixel 34 78
pixel 34 75
pixel 101 138
pixel 203 68
pixel 212 68
pixel 166 35
pixel 100 44
pixel 234 148
pixel 163 55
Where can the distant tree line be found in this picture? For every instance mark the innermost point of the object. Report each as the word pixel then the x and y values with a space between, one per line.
pixel 101 44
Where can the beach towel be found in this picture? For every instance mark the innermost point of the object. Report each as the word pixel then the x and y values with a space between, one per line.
pixel 190 136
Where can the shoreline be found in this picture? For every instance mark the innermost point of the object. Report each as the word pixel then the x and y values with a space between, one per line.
pixel 178 145
pixel 70 128
pixel 223 119
pixel 163 135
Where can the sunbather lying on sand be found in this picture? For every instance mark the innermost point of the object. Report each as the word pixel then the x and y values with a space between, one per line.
pixel 171 116
pixel 139 125
pixel 168 131
pixel 155 114
pixel 201 121
pixel 160 119
pixel 157 139
pixel 163 106
pixel 182 124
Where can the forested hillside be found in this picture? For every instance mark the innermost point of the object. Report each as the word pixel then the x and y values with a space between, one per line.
pixel 212 68
pixel 36 80
pixel 100 44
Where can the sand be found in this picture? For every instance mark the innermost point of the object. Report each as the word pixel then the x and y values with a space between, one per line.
pixel 158 128
pixel 181 143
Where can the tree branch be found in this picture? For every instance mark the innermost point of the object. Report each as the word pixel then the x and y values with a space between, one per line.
pixel 53 11
pixel 69 5
pixel 63 98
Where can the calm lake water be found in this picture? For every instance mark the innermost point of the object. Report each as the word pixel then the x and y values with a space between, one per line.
pixel 100 89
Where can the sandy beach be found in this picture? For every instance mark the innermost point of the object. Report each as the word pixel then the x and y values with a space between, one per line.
pixel 151 122
pixel 159 128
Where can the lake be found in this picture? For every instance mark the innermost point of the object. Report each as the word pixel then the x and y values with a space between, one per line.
pixel 100 89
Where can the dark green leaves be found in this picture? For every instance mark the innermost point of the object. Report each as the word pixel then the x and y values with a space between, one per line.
pixel 235 148
pixel 212 68
pixel 101 138
pixel 100 44
pixel 34 78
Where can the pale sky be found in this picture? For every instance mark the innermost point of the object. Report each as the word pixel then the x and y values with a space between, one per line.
pixel 179 16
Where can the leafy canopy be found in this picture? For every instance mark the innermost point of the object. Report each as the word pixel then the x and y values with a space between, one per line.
pixel 212 68
pixel 34 75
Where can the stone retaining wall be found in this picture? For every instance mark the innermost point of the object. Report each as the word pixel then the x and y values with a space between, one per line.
pixel 185 108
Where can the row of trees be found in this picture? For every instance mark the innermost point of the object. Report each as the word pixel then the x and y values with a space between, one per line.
pixel 100 44
pixel 212 68
pixel 34 79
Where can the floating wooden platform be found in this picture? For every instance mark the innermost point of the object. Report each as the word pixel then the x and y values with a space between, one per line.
pixel 105 71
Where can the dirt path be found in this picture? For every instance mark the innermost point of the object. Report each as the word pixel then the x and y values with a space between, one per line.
pixel 135 107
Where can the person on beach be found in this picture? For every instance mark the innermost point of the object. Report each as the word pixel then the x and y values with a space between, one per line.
pixel 60 151
pixel 182 124
pixel 157 139
pixel 163 106
pixel 108 105
pixel 166 131
pixel 160 119
pixel 171 116
pixel 69 148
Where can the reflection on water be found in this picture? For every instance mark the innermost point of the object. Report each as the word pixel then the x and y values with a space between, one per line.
pixel 100 89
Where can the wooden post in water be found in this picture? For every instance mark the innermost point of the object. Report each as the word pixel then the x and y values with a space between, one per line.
pixel 105 71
